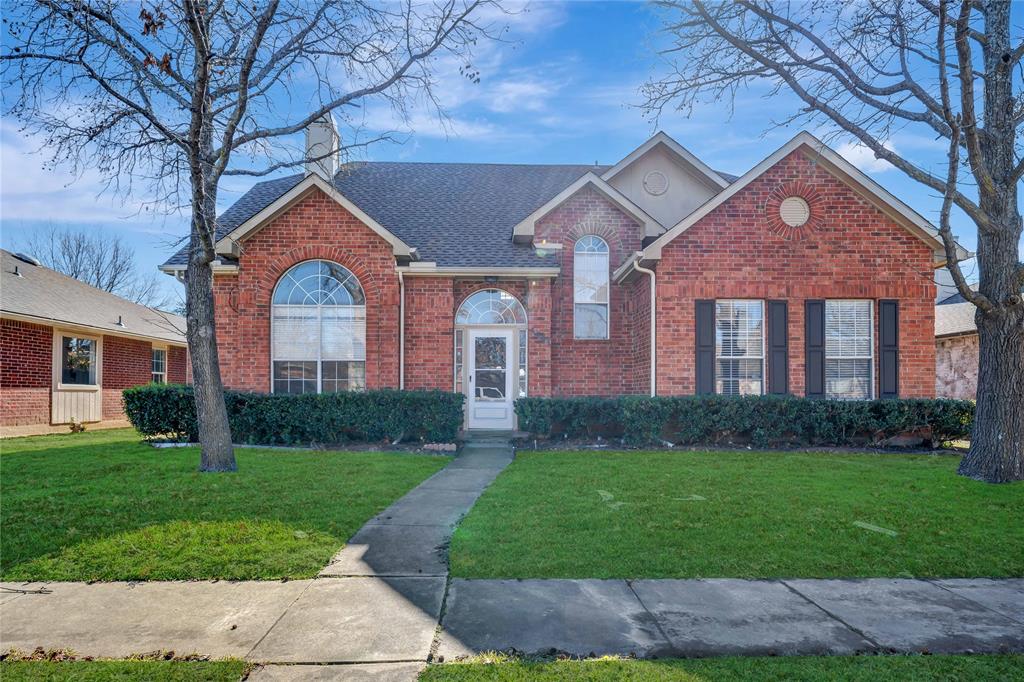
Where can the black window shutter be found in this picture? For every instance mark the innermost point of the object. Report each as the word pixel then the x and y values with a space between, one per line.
pixel 778 348
pixel 888 349
pixel 705 342
pixel 814 366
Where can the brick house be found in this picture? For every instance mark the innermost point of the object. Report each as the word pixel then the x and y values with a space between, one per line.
pixel 67 349
pixel 653 275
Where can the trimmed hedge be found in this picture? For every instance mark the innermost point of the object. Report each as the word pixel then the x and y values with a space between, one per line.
pixel 758 420
pixel 265 419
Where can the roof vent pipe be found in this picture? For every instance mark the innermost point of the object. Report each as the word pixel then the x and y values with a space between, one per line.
pixel 119 322
pixel 323 148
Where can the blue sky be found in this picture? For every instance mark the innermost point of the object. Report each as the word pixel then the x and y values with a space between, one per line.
pixel 563 89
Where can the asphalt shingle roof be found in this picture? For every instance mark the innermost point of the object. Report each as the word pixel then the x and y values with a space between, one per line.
pixel 47 295
pixel 955 318
pixel 455 214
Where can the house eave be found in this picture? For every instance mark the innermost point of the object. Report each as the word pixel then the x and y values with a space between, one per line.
pixel 425 270
pixel 71 325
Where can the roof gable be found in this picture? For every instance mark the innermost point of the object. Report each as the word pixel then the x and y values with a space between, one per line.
pixel 684 156
pixel 834 164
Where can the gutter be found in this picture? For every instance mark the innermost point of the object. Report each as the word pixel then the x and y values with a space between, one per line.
pixel 401 330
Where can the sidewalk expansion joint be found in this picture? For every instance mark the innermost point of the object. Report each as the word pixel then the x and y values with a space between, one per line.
pixel 851 628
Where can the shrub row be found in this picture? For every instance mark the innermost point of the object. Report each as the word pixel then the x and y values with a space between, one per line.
pixel 758 420
pixel 264 419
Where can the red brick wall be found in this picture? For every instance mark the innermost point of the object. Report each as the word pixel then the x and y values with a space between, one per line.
pixel 429 328
pixel 26 357
pixel 853 251
pixel 315 227
pixel 592 367
pixel 126 363
pixel 177 365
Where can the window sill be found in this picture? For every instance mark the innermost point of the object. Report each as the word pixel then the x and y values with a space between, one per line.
pixel 78 387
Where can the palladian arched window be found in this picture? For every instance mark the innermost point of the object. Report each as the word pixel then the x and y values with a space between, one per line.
pixel 318 330
pixel 590 285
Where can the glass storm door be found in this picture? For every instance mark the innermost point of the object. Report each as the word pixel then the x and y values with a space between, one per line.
pixel 490 379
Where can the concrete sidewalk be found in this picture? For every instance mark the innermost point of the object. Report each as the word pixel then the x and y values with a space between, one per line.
pixel 375 612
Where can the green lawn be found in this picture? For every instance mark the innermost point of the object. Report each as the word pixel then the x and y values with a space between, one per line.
pixel 790 669
pixel 103 506
pixel 102 671
pixel 739 514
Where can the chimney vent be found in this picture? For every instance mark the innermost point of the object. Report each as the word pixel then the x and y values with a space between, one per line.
pixel 323 148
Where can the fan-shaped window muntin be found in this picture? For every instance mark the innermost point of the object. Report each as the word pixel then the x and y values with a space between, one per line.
pixel 591 281
pixel 318 330
pixel 491 306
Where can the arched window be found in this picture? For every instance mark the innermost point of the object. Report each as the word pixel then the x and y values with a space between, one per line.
pixel 318 330
pixel 590 280
pixel 491 306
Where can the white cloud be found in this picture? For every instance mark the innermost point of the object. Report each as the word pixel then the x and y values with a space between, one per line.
pixel 522 95
pixel 863 158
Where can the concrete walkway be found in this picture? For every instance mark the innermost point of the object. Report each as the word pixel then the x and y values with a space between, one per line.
pixel 375 612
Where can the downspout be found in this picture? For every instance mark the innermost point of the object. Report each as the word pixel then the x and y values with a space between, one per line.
pixel 654 324
pixel 401 331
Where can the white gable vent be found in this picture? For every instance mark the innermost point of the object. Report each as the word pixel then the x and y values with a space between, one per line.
pixel 794 211
pixel 656 183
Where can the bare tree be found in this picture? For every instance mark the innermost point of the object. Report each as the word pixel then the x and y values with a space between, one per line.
pixel 100 260
pixel 947 68
pixel 177 94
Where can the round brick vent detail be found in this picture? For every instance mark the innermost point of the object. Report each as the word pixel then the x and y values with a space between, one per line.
pixel 656 183
pixel 792 211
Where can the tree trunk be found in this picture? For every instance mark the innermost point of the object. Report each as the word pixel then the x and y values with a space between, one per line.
pixel 997 439
pixel 211 412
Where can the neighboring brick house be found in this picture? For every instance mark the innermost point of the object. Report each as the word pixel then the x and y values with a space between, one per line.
pixel 654 275
pixel 956 350
pixel 67 349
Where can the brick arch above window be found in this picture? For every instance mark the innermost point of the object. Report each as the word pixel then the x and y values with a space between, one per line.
pixel 773 215
pixel 598 228
pixel 286 261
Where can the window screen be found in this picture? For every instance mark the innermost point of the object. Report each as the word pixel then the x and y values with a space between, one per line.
pixel 848 350
pixel 739 347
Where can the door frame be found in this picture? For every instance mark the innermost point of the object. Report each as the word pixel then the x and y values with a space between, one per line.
pixel 511 369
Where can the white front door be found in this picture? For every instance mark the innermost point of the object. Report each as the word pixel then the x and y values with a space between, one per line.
pixel 490 379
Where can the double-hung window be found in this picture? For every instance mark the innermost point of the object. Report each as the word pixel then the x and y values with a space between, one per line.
pixel 739 347
pixel 848 350
pixel 590 286
pixel 159 368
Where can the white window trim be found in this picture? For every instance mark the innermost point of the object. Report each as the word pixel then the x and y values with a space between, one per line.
pixel 167 359
pixel 319 318
pixel 764 340
pixel 871 347
pixel 607 305
pixel 58 345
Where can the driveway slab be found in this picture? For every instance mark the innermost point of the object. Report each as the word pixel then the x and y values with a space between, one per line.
pixel 1005 596
pixel 119 619
pixel 579 617
pixel 914 615
pixel 743 617
pixel 357 620
pixel 391 550
pixel 427 508
pixel 357 672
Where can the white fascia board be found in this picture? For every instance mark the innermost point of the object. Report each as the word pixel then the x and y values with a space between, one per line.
pixel 838 166
pixel 66 325
pixel 218 267
pixel 227 244
pixel 530 273
pixel 679 150
pixel 527 227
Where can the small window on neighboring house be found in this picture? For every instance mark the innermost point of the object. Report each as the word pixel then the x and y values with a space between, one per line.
pixel 159 366
pixel 848 350
pixel 739 347
pixel 78 361
pixel 590 288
